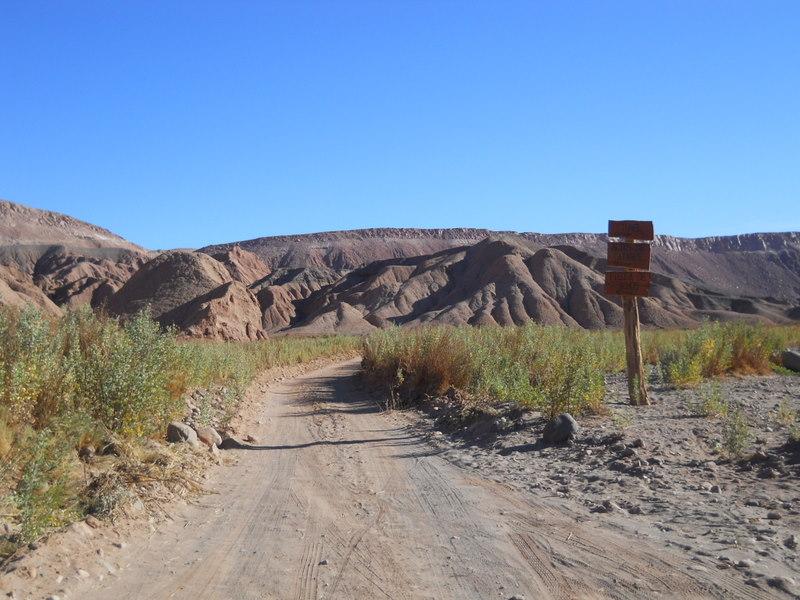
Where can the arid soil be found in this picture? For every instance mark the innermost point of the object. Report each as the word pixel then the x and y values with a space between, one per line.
pixel 661 473
pixel 338 499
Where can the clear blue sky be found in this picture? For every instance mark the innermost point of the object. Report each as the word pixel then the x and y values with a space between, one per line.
pixel 187 123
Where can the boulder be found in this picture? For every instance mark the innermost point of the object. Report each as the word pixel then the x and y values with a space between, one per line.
pixel 178 433
pixel 791 359
pixel 561 429
pixel 208 435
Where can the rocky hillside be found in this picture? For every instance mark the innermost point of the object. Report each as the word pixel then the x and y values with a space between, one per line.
pixel 22 225
pixel 357 281
pixel 502 282
pixel 54 260
pixel 759 264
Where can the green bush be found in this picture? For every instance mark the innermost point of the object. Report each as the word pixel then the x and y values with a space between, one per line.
pixel 75 381
pixel 718 349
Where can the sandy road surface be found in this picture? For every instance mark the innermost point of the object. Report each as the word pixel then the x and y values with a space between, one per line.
pixel 345 502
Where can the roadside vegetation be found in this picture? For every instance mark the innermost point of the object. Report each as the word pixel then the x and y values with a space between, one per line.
pixel 83 399
pixel 556 369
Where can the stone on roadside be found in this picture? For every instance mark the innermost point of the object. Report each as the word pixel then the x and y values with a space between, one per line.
pixel 93 522
pixel 178 432
pixel 561 429
pixel 791 359
pixel 785 584
pixel 607 506
pixel 208 435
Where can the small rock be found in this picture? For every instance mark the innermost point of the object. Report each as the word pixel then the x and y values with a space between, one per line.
pixel 745 564
pixel 715 489
pixel 791 359
pixel 785 584
pixel 250 439
pixel 323 562
pixel 637 443
pixel 773 515
pixel 607 506
pixel 561 429
pixel 208 435
pixel 769 473
pixel 83 574
pixel 93 522
pixel 790 542
pixel 178 433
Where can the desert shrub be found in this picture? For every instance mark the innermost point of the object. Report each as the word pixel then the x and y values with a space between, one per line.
pixel 717 349
pixel 123 376
pixel 710 403
pixel 550 368
pixel 73 382
pixel 735 431
pixel 786 415
pixel 45 495
pixel 556 368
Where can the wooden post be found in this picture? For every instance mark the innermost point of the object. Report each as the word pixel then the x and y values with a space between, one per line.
pixel 631 282
pixel 637 381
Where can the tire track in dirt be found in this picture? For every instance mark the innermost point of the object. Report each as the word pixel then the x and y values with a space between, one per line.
pixel 340 483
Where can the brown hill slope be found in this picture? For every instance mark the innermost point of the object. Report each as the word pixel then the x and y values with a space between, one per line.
pixel 70 261
pixel 23 225
pixel 168 281
pixel 500 281
pixel 758 264
pixel 229 312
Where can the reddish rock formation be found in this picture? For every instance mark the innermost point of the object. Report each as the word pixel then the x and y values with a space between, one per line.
pixel 167 282
pixel 17 289
pixel 242 265
pixel 500 282
pixel 229 312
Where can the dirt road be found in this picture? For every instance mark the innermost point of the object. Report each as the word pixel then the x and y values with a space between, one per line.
pixel 344 501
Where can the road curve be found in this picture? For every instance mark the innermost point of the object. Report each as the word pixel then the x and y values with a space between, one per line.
pixel 345 501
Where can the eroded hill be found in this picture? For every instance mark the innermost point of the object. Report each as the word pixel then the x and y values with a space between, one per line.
pixel 357 281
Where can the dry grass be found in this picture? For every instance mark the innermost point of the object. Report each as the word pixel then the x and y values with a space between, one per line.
pixel 555 369
pixel 549 368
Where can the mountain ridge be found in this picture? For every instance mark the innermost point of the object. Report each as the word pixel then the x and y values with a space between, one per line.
pixel 354 281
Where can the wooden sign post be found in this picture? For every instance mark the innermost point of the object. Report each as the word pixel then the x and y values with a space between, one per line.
pixel 633 255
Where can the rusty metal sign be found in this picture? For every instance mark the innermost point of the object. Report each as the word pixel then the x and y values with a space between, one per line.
pixel 631 230
pixel 628 283
pixel 629 255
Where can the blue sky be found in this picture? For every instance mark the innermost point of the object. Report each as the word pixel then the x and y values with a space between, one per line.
pixel 186 123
